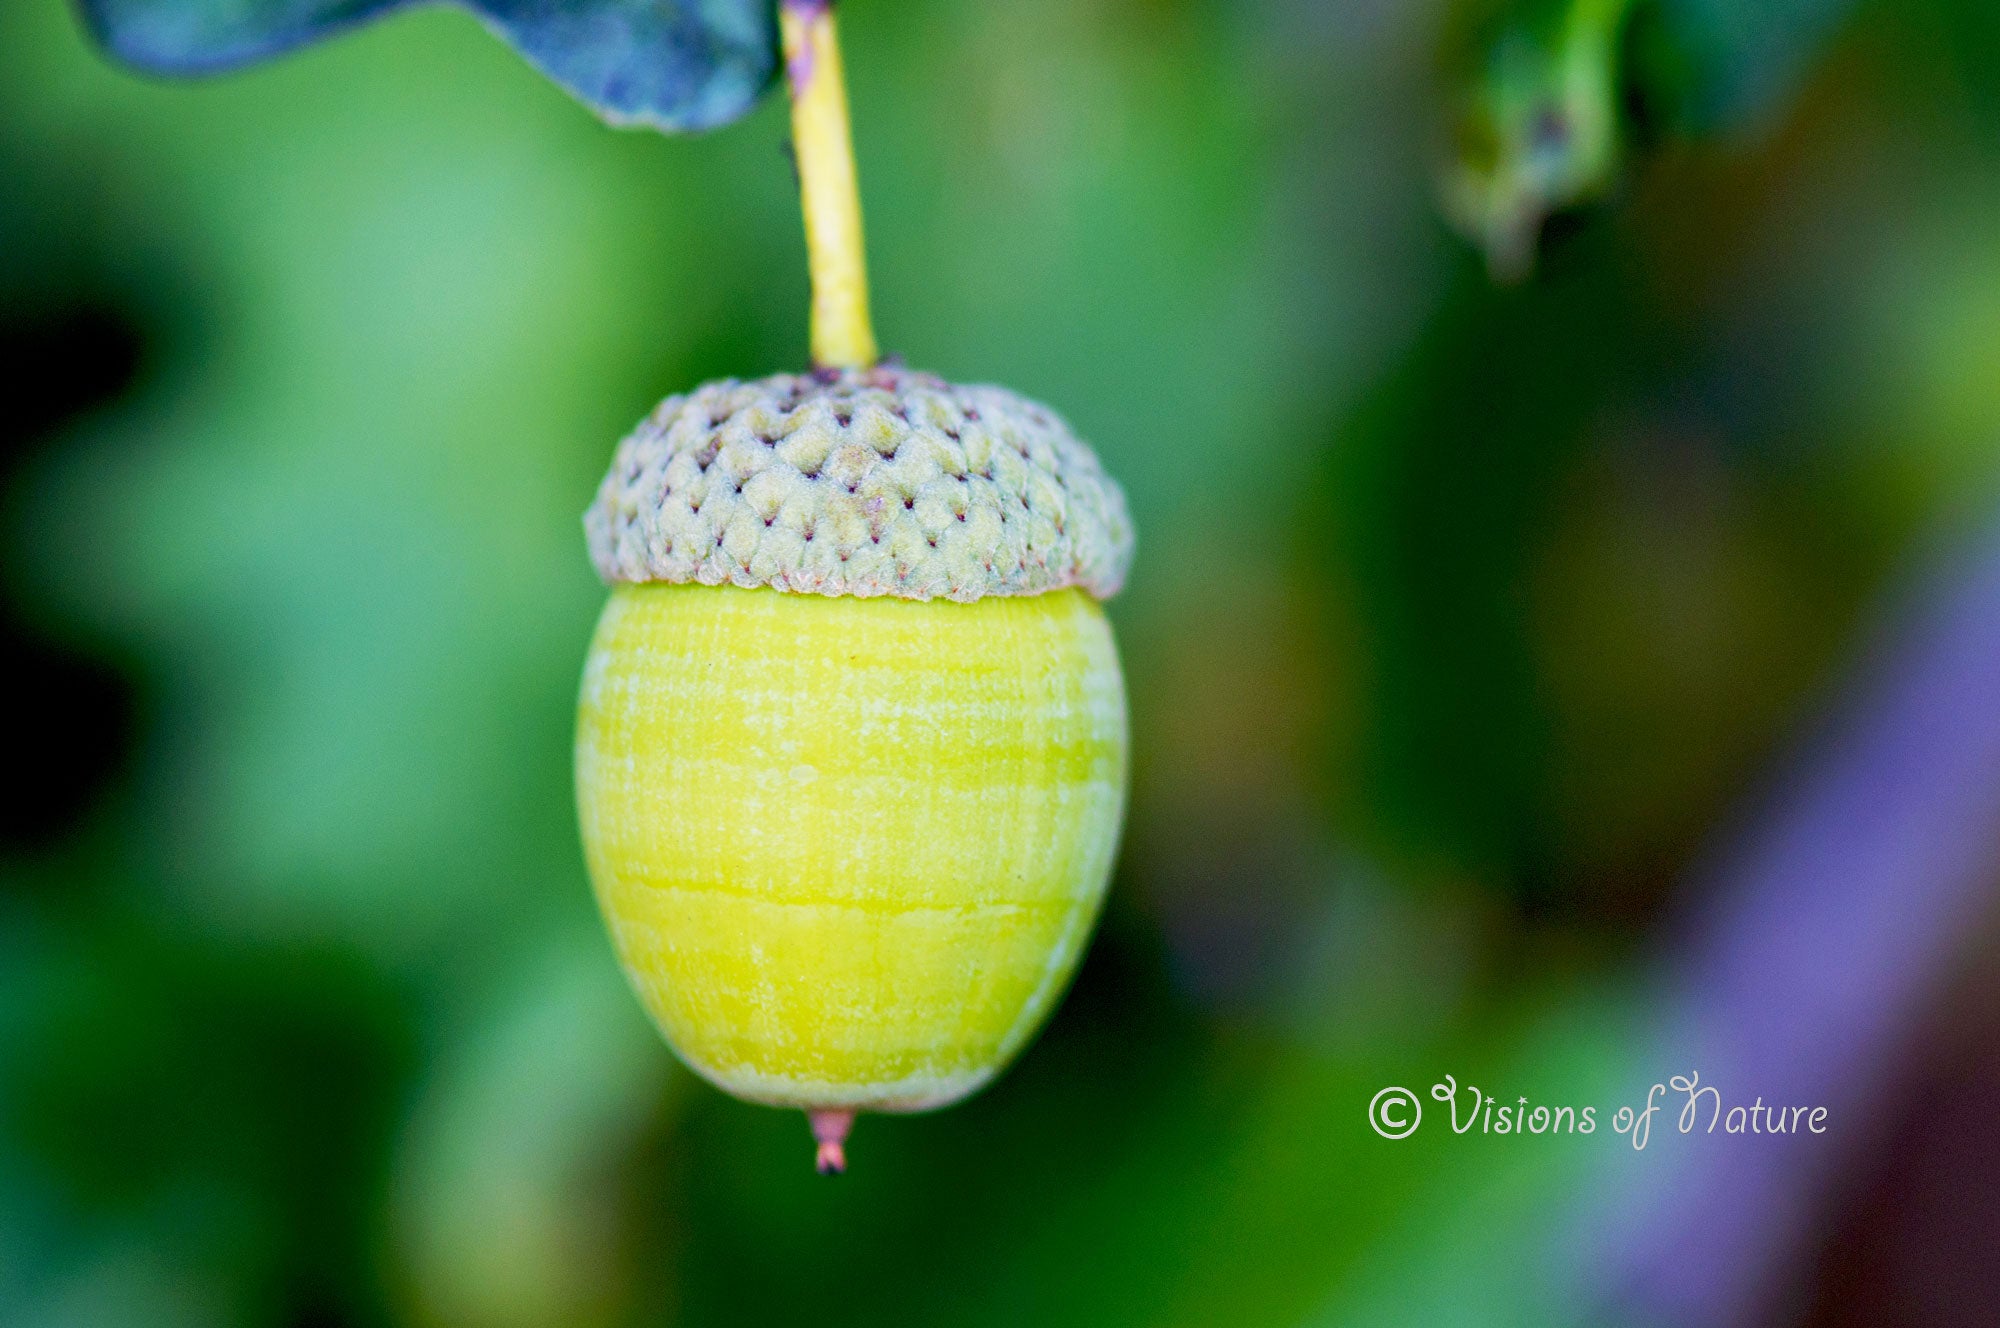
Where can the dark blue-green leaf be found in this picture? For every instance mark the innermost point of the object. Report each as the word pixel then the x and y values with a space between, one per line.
pixel 1717 65
pixel 676 65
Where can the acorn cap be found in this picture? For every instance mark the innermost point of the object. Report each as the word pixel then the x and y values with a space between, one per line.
pixel 873 482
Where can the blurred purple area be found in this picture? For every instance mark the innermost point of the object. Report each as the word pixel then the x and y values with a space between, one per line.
pixel 1821 943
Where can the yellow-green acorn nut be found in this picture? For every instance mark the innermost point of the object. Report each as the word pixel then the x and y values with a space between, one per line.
pixel 851 750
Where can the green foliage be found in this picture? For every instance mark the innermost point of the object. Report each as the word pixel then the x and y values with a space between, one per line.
pixel 1545 113
pixel 1542 128
pixel 1714 66
pixel 674 65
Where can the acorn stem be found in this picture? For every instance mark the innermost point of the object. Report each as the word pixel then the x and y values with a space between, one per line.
pixel 830 1132
pixel 823 146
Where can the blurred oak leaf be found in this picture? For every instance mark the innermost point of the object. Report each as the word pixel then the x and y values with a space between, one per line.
pixel 1539 130
pixel 1542 118
pixel 1713 66
pixel 678 66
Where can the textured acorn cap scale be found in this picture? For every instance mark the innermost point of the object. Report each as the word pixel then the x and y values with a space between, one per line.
pixel 870 482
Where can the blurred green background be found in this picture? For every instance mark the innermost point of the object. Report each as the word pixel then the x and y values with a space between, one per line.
pixel 1469 615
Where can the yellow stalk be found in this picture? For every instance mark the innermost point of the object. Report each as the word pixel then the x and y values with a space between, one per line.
pixel 842 336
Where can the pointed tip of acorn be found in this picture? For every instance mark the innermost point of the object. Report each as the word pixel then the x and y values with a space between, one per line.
pixel 830 1131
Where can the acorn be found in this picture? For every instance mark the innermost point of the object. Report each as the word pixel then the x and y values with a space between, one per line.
pixel 851 748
